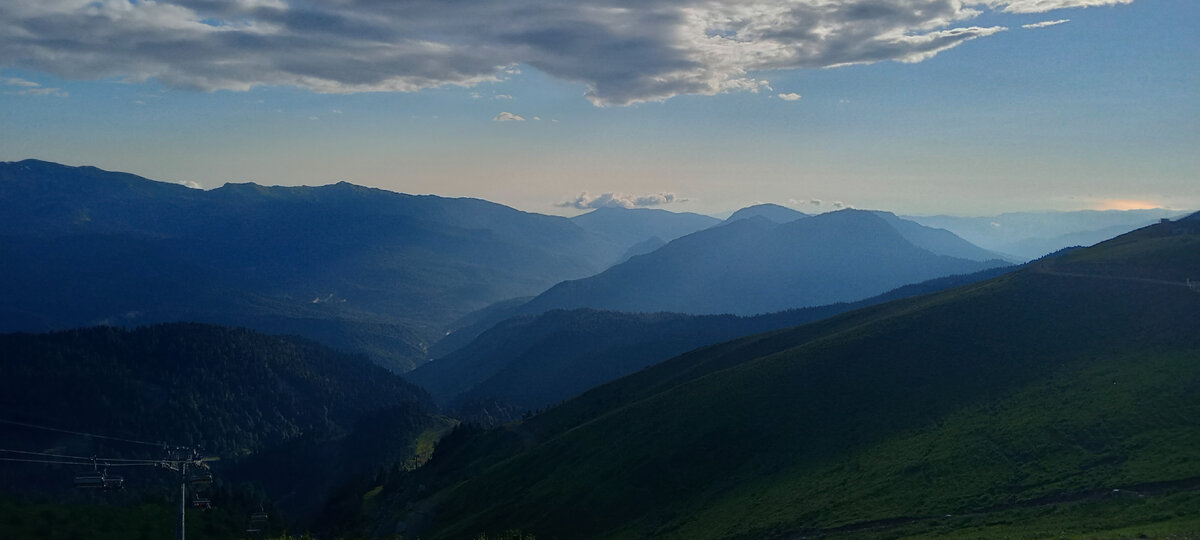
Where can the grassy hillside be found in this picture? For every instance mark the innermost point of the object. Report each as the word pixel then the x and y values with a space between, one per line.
pixel 1041 389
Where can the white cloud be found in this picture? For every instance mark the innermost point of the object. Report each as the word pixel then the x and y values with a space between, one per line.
pixel 30 88
pixel 1044 24
pixel 620 200
pixel 502 96
pixel 1042 6
pixel 622 52
pixel 13 81
pixel 790 96
pixel 507 117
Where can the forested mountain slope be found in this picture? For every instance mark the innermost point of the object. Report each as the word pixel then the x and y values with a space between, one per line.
pixel 285 414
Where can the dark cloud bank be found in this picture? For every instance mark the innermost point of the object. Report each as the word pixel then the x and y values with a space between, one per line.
pixel 623 51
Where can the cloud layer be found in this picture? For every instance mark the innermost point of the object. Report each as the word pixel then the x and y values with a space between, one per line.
pixel 586 201
pixel 623 51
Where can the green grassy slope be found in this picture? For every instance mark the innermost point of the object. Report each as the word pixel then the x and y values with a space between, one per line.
pixel 1048 385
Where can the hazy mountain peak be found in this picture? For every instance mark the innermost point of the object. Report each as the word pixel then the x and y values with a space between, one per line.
pixel 773 212
pixel 755 265
pixel 627 227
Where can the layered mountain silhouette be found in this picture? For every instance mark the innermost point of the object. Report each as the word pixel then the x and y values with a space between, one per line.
pixel 633 228
pixel 1050 397
pixel 531 362
pixel 753 266
pixel 1029 235
pixel 358 268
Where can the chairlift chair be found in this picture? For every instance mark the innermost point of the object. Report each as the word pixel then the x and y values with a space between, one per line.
pixel 94 479
pixel 113 483
pixel 200 479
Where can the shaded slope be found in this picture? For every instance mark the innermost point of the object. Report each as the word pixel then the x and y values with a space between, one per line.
pixel 940 241
pixel 273 408
pixel 1002 393
pixel 530 362
pixel 754 266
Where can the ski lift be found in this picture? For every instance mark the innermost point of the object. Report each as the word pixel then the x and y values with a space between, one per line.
pixel 99 479
pixel 202 503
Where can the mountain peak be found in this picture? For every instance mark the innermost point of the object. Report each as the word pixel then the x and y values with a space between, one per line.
pixel 772 212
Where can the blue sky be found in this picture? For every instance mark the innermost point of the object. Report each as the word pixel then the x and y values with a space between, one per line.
pixel 941 107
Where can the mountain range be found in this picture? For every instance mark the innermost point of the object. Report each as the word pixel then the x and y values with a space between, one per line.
pixel 387 274
pixel 626 373
pixel 751 266
pixel 358 268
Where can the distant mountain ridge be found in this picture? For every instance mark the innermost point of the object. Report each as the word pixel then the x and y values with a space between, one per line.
pixel 1029 235
pixel 753 266
pixel 700 260
pixel 772 212
pixel 629 227
pixel 390 270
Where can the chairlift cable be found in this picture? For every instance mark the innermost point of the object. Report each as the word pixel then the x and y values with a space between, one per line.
pixel 92 435
pixel 43 461
pixel 88 459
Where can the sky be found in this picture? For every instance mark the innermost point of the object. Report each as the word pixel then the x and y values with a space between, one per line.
pixel 965 107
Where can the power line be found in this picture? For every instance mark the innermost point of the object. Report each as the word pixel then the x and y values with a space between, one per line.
pixel 92 435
